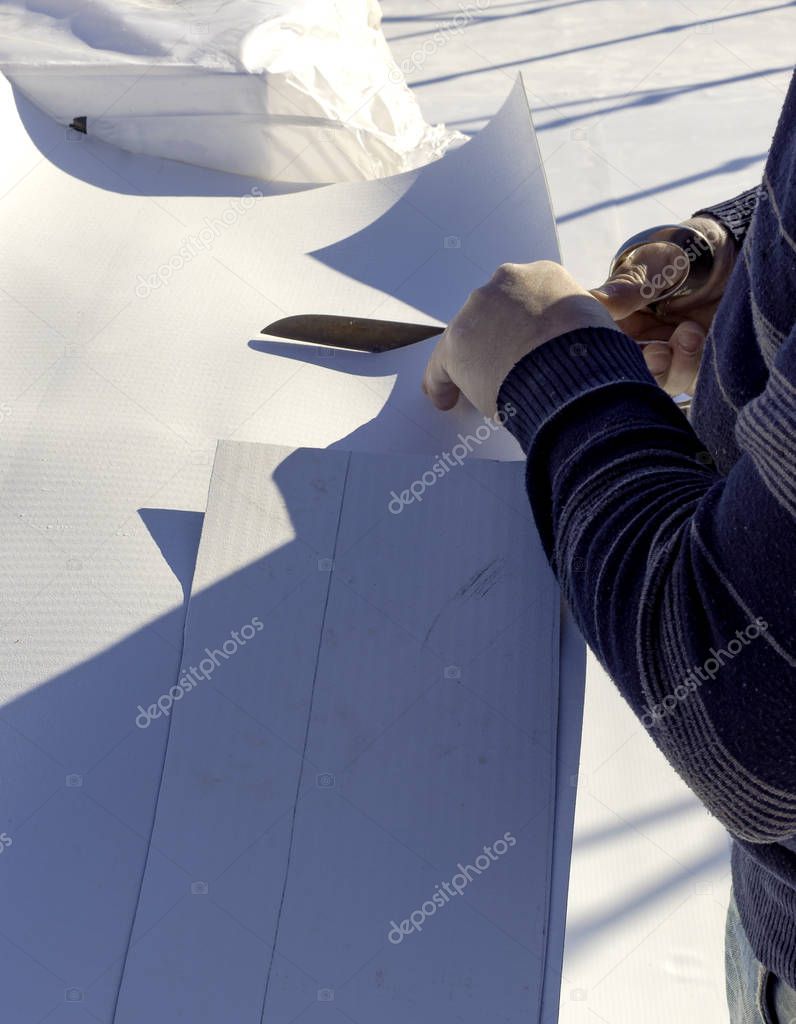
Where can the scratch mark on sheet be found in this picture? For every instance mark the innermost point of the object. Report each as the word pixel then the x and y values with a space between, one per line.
pixel 479 585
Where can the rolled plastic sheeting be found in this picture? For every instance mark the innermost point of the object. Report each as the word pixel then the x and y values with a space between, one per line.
pixel 282 90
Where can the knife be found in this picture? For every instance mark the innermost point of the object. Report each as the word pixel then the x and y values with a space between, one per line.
pixel 359 333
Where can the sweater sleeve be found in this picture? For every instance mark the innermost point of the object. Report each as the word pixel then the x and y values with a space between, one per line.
pixel 681 580
pixel 735 214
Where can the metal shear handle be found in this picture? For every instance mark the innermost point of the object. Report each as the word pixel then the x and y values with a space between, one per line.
pixel 685 274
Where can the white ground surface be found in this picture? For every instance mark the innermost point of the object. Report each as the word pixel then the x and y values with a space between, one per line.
pixel 645 111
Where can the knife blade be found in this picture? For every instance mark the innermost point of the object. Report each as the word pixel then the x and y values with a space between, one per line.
pixel 359 333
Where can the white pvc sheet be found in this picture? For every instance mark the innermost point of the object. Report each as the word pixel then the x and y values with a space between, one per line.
pixel 121 364
pixel 358 799
pixel 283 90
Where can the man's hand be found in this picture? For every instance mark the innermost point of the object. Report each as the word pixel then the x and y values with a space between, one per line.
pixel 524 305
pixel 683 323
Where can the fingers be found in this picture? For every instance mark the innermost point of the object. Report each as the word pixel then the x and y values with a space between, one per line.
pixel 437 384
pixel 639 279
pixel 687 342
pixel 620 297
pixel 675 364
pixel 658 357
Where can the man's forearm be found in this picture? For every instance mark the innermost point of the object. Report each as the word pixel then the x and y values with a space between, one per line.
pixel 652 548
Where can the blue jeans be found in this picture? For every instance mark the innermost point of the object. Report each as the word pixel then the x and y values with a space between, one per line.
pixel 754 994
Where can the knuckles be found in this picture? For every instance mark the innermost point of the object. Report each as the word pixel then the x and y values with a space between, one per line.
pixel 508 273
pixel 511 280
pixel 505 272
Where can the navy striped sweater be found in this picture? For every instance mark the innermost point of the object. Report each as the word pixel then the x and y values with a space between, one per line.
pixel 675 543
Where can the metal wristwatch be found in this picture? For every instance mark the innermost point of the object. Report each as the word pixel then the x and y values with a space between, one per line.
pixel 686 273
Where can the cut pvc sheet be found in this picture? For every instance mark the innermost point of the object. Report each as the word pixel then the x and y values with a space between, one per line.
pixel 179 268
pixel 358 797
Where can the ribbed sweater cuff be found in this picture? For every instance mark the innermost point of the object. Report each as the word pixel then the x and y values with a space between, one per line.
pixel 562 370
pixel 735 214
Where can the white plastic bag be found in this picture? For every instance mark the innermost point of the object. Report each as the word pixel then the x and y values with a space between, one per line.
pixel 284 90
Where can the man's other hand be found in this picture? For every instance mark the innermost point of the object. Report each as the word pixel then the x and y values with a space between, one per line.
pixel 680 327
